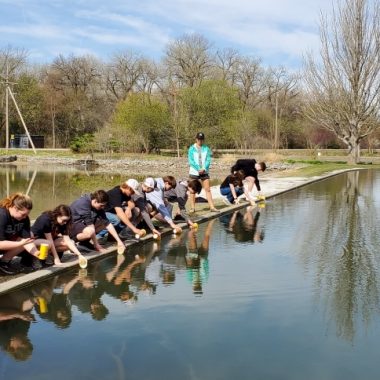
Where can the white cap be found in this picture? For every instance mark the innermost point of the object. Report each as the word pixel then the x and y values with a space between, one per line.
pixel 150 182
pixel 133 184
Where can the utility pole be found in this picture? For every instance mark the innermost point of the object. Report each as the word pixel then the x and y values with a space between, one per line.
pixel 7 111
pixel 8 92
pixel 276 125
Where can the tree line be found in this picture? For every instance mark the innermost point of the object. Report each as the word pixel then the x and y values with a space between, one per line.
pixel 133 103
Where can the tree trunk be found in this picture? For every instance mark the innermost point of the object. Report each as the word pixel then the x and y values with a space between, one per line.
pixel 353 151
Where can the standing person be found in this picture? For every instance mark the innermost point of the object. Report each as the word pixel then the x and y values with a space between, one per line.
pixel 156 198
pixel 15 235
pixel 119 210
pixel 250 168
pixel 180 194
pixel 199 157
pixel 89 218
pixel 232 187
pixel 54 226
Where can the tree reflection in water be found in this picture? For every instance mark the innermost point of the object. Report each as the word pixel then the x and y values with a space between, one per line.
pixel 340 241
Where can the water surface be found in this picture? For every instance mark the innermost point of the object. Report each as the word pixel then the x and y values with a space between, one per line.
pixel 289 291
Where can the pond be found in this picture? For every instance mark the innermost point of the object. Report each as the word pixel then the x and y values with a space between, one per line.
pixel 49 186
pixel 288 291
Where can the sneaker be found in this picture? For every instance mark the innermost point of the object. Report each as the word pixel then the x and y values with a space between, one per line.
pixel 36 264
pixel 7 269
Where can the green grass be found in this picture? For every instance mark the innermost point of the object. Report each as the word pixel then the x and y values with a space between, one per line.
pixel 322 168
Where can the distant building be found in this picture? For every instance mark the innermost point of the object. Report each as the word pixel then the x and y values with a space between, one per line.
pixel 22 141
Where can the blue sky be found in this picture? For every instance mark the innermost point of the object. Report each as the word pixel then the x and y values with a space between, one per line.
pixel 277 31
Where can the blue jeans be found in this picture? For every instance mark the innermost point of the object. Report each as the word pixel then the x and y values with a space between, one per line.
pixel 115 221
pixel 226 191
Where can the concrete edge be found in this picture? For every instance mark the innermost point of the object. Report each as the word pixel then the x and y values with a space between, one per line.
pixel 43 274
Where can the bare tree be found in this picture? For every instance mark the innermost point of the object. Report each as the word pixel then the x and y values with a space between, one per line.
pixel 226 64
pixel 344 83
pixel 188 59
pixel 123 73
pixel 11 59
pixel 281 90
pixel 251 79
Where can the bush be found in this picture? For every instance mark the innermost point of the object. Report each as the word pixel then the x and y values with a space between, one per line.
pixel 83 144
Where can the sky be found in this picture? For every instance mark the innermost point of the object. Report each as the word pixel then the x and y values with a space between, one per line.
pixel 278 32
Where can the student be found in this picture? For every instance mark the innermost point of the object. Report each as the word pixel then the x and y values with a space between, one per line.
pixel 180 194
pixel 54 226
pixel 199 157
pixel 251 168
pixel 89 217
pixel 142 207
pixel 120 206
pixel 15 235
pixel 156 198
pixel 232 187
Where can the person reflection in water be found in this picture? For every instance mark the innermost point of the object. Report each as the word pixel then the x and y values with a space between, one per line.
pixel 15 319
pixel 244 225
pixel 51 305
pixel 85 293
pixel 197 259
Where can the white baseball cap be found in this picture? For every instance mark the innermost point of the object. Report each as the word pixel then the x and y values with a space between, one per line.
pixel 133 184
pixel 150 182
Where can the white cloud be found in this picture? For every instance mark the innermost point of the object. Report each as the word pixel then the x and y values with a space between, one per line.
pixel 271 29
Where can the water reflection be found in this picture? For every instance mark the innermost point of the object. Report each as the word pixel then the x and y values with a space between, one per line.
pixel 244 224
pixel 50 186
pixel 123 278
pixel 339 246
pixel 298 298
pixel 15 319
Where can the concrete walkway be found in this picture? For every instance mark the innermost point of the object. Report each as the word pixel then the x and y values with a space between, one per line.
pixel 271 186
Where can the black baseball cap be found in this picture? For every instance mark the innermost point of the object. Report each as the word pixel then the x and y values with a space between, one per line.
pixel 200 136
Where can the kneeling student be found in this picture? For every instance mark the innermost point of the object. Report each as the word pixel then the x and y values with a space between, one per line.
pixel 15 234
pixel 232 187
pixel 161 211
pixel 120 208
pixel 180 194
pixel 89 218
pixel 54 227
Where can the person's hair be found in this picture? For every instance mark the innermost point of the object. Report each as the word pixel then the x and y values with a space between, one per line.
pixel 61 210
pixel 170 180
pixel 23 352
pixel 237 178
pixel 195 185
pixel 263 166
pixel 98 310
pixel 18 200
pixel 125 186
pixel 100 196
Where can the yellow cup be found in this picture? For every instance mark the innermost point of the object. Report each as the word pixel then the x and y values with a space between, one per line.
pixel 44 250
pixel 195 226
pixel 43 305
pixel 120 250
